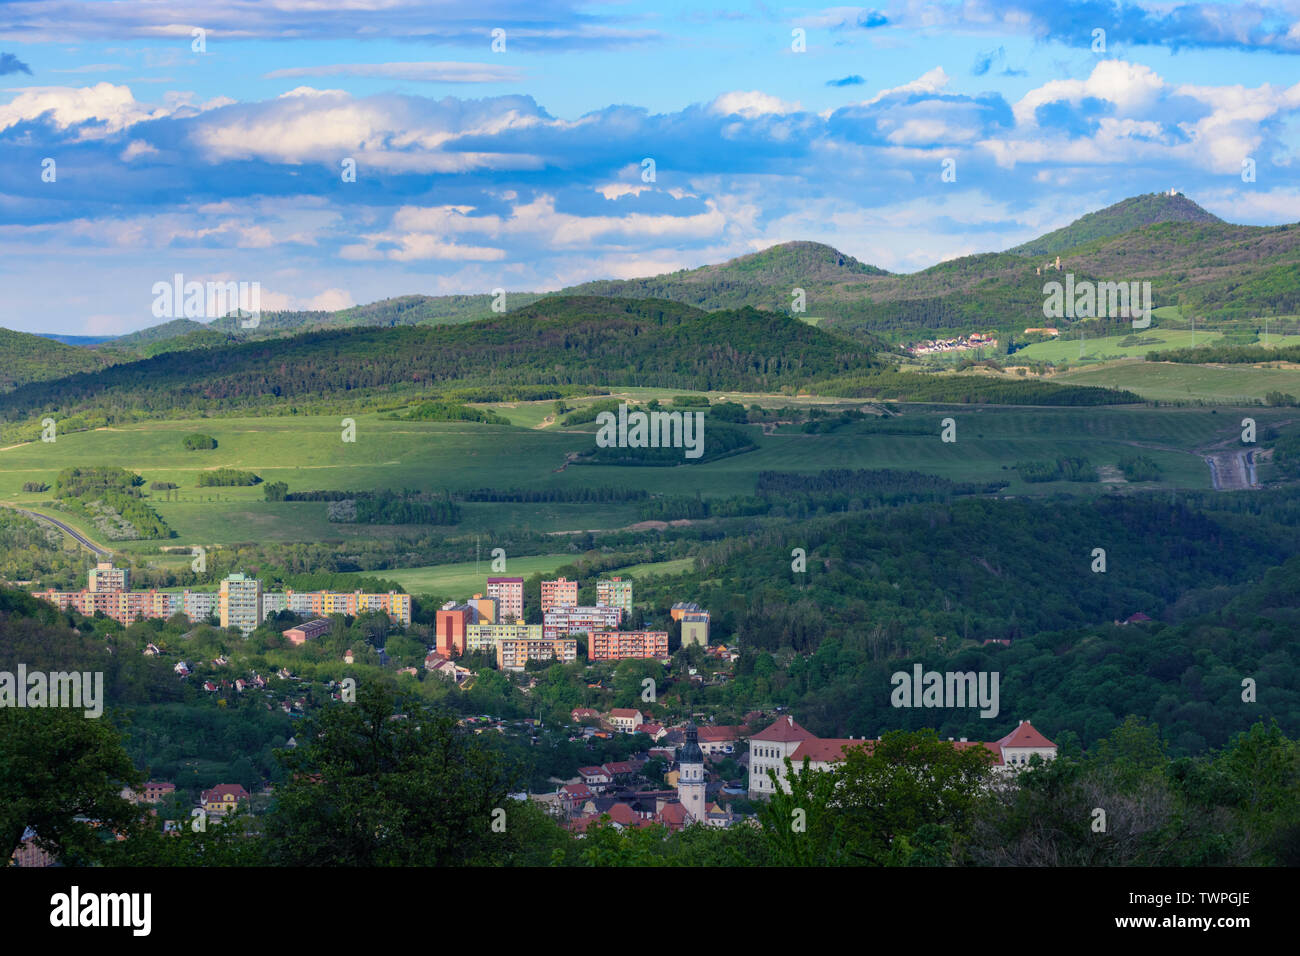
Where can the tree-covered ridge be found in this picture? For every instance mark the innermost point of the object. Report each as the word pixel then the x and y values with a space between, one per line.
pixel 765 280
pixel 28 358
pixel 1114 220
pixel 557 341
pixel 385 313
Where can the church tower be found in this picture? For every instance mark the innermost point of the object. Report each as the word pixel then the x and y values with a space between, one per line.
pixel 690 779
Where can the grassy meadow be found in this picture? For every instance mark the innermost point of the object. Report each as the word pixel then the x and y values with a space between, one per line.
pixel 307 453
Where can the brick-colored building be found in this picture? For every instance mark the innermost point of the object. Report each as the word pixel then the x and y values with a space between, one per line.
pixel 308 631
pixel 616 645
pixel 559 593
pixel 509 593
pixel 450 622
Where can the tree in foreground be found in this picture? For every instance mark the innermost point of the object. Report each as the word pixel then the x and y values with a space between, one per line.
pixel 374 785
pixel 61 774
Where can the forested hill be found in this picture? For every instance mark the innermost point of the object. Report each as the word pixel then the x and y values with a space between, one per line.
pixel 28 358
pixel 558 340
pixel 765 280
pixel 1122 217
pixel 1209 268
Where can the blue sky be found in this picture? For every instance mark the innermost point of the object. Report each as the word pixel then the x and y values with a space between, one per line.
pixel 523 168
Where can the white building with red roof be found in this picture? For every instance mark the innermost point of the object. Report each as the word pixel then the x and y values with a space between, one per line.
pixel 785 738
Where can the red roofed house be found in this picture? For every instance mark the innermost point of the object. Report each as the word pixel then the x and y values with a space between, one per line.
pixel 571 796
pixel 654 731
pixel 223 798
pixel 625 720
pixel 155 791
pixel 583 715
pixel 770 747
pixel 597 778
pixel 718 740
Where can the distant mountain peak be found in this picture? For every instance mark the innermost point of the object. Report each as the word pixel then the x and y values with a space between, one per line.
pixel 1117 219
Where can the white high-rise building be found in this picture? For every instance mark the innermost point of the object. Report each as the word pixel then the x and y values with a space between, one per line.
pixel 240 602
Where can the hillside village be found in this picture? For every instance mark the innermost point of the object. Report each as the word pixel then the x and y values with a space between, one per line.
pixel 676 770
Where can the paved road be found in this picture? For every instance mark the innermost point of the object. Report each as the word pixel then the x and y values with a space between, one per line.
pixel 76 535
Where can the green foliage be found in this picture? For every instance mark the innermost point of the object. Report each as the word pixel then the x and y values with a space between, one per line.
pixel 227 478
pixel 34 358
pixel 452 412
pixel 556 341
pixel 384 507
pixel 58 766
pixel 1139 468
pixel 1062 469
pixel 1122 217
pixel 840 489
pixel 581 493
pixel 275 490
pixel 366 789
pixel 968 389
pixel 720 441
pixel 37 486
pixel 199 442
pixel 675 507
pixel 79 481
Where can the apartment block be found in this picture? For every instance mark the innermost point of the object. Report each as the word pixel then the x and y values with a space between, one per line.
pixel 352 603
pixel 682 608
pixel 566 621
pixel 487 610
pixel 198 605
pixel 559 593
pixel 614 592
pixel 486 637
pixel 616 645
pixel 509 593
pixel 514 653
pixel 695 629
pixel 273 602
pixel 105 577
pixel 450 622
pixel 239 602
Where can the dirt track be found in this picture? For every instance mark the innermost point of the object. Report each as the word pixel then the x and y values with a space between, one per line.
pixel 1232 470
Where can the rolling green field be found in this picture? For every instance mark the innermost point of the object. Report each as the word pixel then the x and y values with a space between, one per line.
pixel 1067 348
pixel 1170 381
pixel 306 452
pixel 542 414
